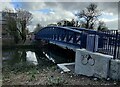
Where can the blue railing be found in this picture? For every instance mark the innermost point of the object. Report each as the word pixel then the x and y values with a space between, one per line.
pixel 63 34
pixel 108 41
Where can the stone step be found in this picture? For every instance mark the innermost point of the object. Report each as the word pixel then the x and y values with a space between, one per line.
pixel 63 66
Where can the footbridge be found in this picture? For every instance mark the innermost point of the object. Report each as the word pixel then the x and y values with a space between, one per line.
pixel 107 42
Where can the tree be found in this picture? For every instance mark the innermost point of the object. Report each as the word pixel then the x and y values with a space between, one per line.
pixel 11 25
pixel 102 26
pixel 38 27
pixel 24 18
pixel 17 23
pixel 59 24
pixel 52 24
pixel 64 22
pixel 73 23
pixel 90 15
pixel 82 24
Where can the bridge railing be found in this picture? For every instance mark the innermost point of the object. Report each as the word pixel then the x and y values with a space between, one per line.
pixel 108 41
pixel 66 35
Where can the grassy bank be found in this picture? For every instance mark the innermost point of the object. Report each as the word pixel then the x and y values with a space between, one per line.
pixel 24 74
pixel 46 73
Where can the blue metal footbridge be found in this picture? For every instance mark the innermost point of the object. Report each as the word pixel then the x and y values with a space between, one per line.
pixel 74 38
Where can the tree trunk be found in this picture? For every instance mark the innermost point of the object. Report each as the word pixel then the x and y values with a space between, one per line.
pixel 87 24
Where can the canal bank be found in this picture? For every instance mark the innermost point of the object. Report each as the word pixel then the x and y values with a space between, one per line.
pixel 17 70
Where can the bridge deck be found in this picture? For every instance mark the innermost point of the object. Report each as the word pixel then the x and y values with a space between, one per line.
pixel 65 45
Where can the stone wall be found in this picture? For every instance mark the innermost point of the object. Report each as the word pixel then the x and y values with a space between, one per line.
pixel 115 69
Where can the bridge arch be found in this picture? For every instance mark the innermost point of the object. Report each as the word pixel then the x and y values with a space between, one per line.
pixel 63 35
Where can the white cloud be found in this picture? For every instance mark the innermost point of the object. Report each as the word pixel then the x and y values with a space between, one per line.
pixel 108 14
pixel 111 23
pixel 62 10
pixel 63 0
pixel 32 5
pixel 4 5
pixel 108 20
pixel 65 10
pixel 58 13
pixel 52 17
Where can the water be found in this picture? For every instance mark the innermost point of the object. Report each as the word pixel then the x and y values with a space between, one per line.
pixel 41 56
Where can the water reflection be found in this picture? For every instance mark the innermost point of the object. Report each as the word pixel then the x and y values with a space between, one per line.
pixel 58 54
pixel 31 57
pixel 14 56
pixel 49 57
pixel 41 57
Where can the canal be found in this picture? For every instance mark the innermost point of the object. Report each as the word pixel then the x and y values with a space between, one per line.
pixel 41 56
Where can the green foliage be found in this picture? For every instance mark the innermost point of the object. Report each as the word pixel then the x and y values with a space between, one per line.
pixel 38 27
pixel 67 23
pixel 11 27
pixel 102 26
pixel 55 80
pixel 17 23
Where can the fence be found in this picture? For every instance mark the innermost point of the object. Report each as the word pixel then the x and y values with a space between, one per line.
pixel 108 41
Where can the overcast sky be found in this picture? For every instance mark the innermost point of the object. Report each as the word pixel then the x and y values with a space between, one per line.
pixel 51 12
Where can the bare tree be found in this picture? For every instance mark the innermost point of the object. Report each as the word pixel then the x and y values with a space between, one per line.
pixel 23 19
pixel 90 15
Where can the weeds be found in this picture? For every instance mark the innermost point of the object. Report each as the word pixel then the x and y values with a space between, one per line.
pixel 55 81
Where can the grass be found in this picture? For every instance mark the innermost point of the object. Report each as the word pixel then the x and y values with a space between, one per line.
pixel 24 68
pixel 19 67
pixel 55 80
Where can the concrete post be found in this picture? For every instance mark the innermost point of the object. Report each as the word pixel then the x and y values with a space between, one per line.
pixel 92 64
pixel 115 69
pixel 92 43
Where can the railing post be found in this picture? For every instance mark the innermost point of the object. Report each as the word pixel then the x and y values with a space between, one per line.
pixel 58 37
pixel 92 42
pixel 67 36
pixel 94 46
pixel 74 38
pixel 115 49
